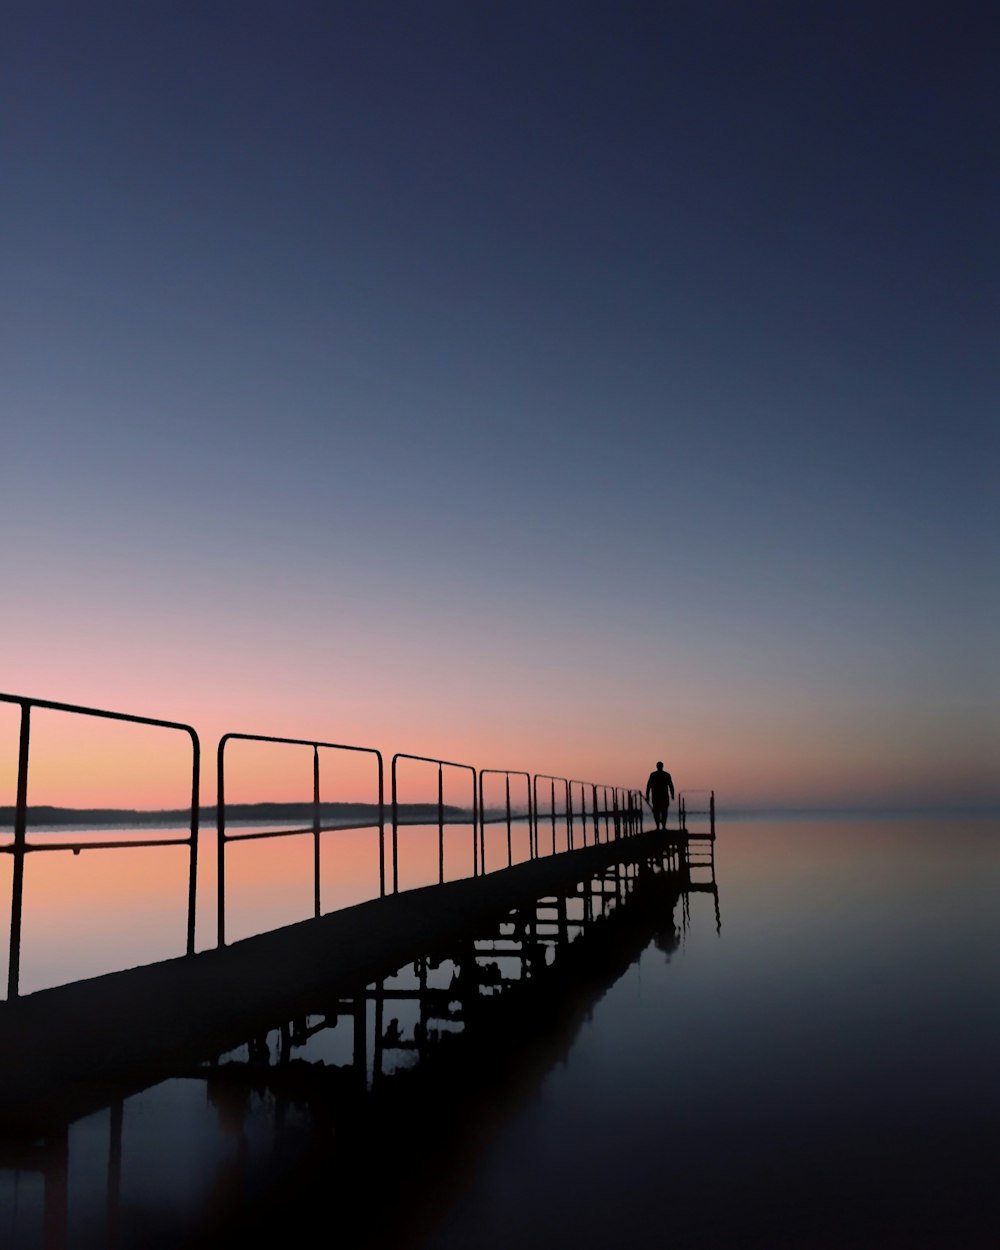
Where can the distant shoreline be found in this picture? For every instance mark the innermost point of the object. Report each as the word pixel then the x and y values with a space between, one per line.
pixel 42 816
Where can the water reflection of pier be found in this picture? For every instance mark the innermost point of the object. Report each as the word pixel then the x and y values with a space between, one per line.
pixel 318 1098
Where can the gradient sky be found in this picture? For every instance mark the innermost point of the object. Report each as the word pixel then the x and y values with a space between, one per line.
pixel 556 386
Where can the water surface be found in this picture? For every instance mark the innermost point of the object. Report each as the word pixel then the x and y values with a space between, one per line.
pixel 807 1057
pixel 821 1072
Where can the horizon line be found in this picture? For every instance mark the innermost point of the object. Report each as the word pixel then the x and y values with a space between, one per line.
pixel 272 806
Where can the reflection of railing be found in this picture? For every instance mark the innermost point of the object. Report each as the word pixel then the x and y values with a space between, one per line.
pixel 20 846
pixel 316 828
pixel 506 773
pixel 684 810
pixel 396 822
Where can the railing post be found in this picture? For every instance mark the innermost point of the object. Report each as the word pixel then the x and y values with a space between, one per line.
pixel 440 824
pixel 530 815
pixel 316 823
pixel 193 862
pixel 533 822
pixel 475 826
pixel 381 829
pixel 711 812
pixel 482 833
pixel 220 850
pixel 20 845
pixel 510 849
pixel 553 788
pixel 395 837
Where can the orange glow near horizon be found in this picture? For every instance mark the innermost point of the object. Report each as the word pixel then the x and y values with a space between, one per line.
pixel 806 755
pixel 89 761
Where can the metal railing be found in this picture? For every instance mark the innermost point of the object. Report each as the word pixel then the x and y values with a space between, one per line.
pixel 609 811
pixel 584 787
pixel 618 809
pixel 506 773
pixel 631 812
pixel 638 812
pixel 396 822
pixel 20 847
pixel 552 812
pixel 316 828
pixel 684 810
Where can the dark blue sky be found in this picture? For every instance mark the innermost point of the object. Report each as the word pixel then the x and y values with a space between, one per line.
pixel 461 352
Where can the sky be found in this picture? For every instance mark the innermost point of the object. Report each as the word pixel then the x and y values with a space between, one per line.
pixel 549 386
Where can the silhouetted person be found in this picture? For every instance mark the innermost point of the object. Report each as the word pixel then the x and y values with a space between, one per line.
pixel 659 792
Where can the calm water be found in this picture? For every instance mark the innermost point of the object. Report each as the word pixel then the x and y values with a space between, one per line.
pixel 824 1072
pixel 814 1064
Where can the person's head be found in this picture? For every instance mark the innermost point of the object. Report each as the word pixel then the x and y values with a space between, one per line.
pixel 659 765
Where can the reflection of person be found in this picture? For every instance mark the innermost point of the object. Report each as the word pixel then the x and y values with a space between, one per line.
pixel 667 939
pixel 659 792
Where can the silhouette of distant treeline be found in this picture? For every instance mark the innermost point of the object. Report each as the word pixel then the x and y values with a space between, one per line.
pixel 236 813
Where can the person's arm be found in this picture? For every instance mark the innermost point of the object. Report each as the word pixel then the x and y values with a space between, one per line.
pixel 670 783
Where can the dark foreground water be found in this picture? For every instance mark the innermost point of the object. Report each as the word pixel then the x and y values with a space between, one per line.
pixel 823 1072
pixel 807 1056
